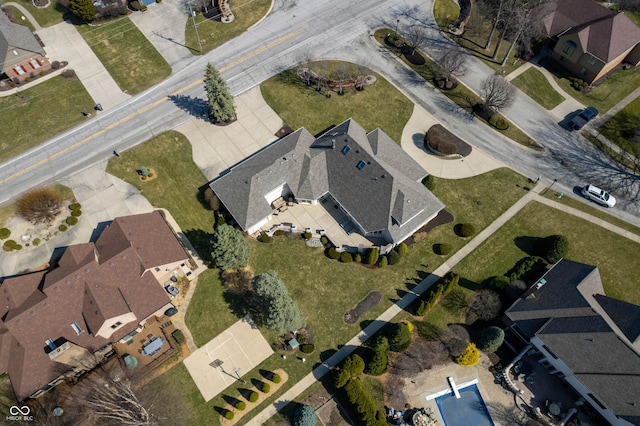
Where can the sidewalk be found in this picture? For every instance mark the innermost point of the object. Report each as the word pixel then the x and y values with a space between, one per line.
pixel 64 43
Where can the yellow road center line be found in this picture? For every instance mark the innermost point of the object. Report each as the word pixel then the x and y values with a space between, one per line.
pixel 148 107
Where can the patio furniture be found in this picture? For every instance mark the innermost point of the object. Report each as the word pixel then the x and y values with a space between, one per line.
pixel 153 346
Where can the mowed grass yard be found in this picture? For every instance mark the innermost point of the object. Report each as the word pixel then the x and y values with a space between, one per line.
pixel 34 115
pixel 131 59
pixel 378 105
pixel 625 120
pixel 46 16
pixel 213 33
pixel 615 256
pixel 535 85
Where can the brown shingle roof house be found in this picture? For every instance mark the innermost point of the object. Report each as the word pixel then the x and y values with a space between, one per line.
pixel 590 40
pixel 21 55
pixel 51 322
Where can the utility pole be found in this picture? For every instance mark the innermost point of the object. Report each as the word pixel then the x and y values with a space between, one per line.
pixel 195 27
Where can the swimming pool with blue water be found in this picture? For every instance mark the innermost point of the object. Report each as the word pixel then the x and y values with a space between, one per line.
pixel 469 409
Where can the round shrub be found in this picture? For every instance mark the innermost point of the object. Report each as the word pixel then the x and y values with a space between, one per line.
pixel 324 240
pixel 498 122
pixel 240 405
pixel 307 235
pixel 228 415
pixel 499 282
pixel 470 356
pixel 345 257
pixel 264 238
pixel 63 228
pixel 11 245
pixel 71 220
pixel 357 258
pixel 487 305
pixel 279 232
pixel 333 253
pixel 429 182
pixel 253 397
pixel 554 247
pixel 442 249
pixel 377 363
pixel 36 242
pixel 467 230
pixel 394 257
pixel 76 213
pixel 178 337
pixel 307 348
pixel 276 378
pixel 74 206
pixel 4 233
pixel 402 249
pixel 265 387
pixel 383 262
pixel 490 339
pixel 440 140
pixel 399 337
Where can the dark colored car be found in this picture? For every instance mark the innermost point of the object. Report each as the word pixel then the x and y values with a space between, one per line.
pixel 588 114
pixel 171 311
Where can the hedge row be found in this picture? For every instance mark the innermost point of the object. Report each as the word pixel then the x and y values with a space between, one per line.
pixel 367 414
pixel 371 256
pixel 444 287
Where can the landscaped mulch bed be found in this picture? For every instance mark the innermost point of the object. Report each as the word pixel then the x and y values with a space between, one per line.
pixel 442 218
pixel 372 299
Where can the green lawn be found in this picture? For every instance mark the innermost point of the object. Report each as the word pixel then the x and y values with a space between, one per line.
pixel 605 95
pixel 214 33
pixel 131 59
pixel 537 87
pixel 475 36
pixel 379 105
pixel 615 256
pixel 36 114
pixel 176 187
pixel 461 95
pixel 625 120
pixel 51 15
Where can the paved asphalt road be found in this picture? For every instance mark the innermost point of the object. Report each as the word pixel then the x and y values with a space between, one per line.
pixel 324 29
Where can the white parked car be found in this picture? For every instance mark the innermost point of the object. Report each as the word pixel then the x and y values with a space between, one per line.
pixel 598 195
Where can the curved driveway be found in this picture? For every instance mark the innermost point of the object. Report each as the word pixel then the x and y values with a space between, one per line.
pixel 324 29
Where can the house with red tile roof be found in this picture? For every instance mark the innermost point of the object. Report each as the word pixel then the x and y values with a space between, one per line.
pixel 590 40
pixel 62 322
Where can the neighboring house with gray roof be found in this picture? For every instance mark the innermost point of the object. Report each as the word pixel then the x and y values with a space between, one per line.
pixel 589 339
pixel 21 55
pixel 590 40
pixel 58 323
pixel 367 175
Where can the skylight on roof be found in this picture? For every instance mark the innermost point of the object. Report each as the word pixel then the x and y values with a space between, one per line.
pixel 346 149
pixel 361 165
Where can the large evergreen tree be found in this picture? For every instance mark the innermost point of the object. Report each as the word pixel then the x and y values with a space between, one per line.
pixel 229 248
pixel 83 8
pixel 276 309
pixel 221 106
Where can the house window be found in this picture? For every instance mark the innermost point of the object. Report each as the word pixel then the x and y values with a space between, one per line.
pixel 116 325
pixel 77 328
pixel 591 60
pixel 568 48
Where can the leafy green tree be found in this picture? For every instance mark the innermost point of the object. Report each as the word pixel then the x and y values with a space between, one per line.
pixel 400 337
pixel 83 8
pixel 378 359
pixel 229 248
pixel 221 106
pixel 276 309
pixel 352 367
pixel 304 416
pixel 490 339
pixel 554 247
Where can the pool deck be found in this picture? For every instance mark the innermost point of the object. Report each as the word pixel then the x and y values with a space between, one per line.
pixel 434 381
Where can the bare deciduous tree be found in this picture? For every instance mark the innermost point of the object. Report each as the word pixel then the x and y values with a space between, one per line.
pixel 342 73
pixel 497 92
pixel 107 392
pixel 417 38
pixel 525 21
pixel 451 62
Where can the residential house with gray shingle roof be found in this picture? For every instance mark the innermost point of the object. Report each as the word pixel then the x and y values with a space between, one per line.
pixel 21 55
pixel 58 323
pixel 590 40
pixel 367 175
pixel 589 339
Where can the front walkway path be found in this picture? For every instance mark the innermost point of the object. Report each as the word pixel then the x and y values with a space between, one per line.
pixel 64 43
